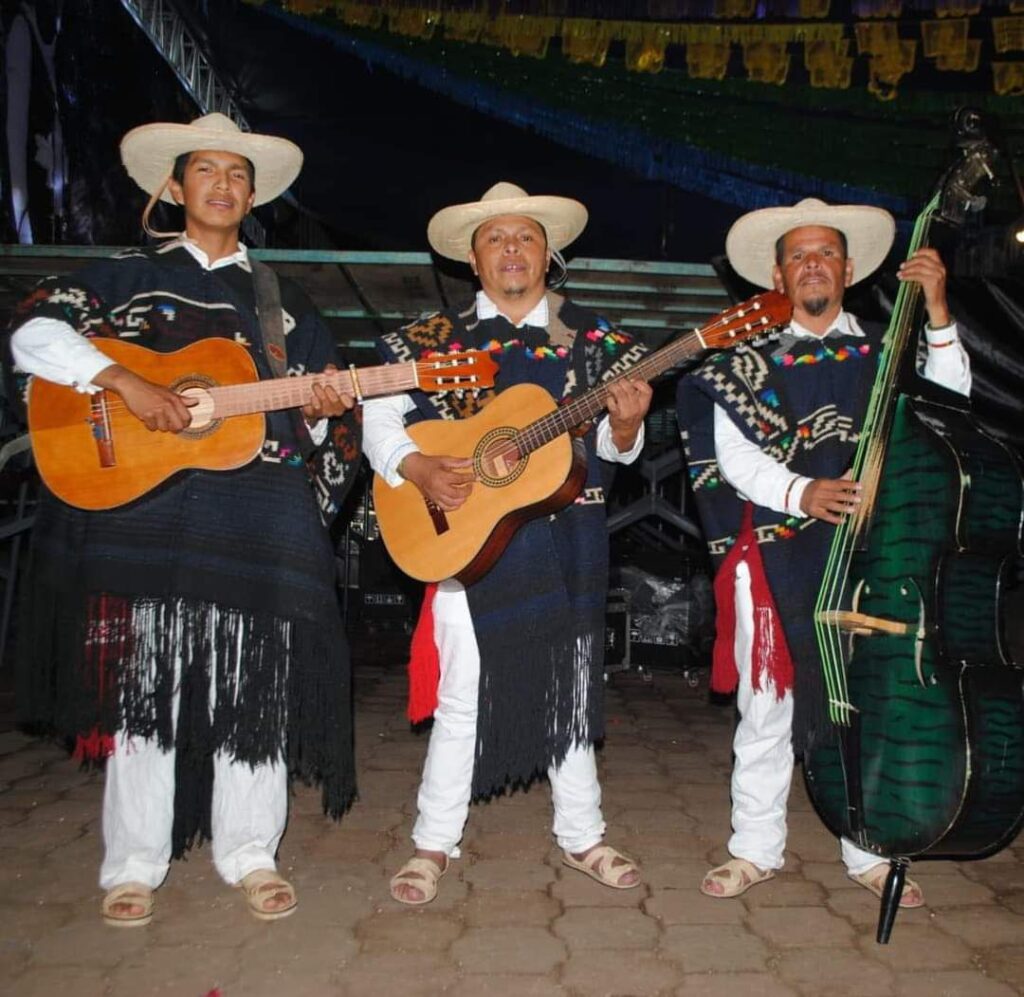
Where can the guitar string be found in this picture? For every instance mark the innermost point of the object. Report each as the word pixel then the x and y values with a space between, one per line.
pixel 426 371
pixel 866 468
pixel 565 418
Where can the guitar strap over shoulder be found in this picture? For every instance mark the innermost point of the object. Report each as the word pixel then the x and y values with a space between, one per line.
pixel 271 321
pixel 271 318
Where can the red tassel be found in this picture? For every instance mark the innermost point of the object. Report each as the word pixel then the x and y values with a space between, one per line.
pixel 770 651
pixel 93 746
pixel 424 664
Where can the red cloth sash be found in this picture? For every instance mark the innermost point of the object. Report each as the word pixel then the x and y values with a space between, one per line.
pixel 770 652
pixel 424 663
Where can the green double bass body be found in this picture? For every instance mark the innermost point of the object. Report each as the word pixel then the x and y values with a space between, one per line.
pixel 924 756
pixel 932 762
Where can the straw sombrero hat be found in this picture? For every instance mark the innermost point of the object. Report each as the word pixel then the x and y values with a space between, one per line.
pixel 149 151
pixel 750 244
pixel 451 230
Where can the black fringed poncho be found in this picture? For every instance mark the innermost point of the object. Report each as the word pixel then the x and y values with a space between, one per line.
pixel 231 574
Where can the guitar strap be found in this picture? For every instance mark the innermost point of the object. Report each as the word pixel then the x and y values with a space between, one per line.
pixel 271 321
pixel 268 308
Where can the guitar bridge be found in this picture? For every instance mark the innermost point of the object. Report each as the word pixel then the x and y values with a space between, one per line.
pixel 437 517
pixel 100 428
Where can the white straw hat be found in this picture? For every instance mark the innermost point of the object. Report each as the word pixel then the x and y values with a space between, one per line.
pixel 451 230
pixel 149 151
pixel 750 244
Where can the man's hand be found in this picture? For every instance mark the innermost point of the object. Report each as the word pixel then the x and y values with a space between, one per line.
pixel 446 481
pixel 927 269
pixel 326 402
pixel 628 402
pixel 831 498
pixel 157 406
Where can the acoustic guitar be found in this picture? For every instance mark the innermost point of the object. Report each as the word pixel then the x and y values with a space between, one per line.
pixel 94 454
pixel 524 463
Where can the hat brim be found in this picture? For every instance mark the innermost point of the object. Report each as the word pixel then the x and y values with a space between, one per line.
pixel 750 244
pixel 450 231
pixel 149 151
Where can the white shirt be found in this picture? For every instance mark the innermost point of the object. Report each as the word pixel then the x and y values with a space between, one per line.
pixel 53 350
pixel 765 481
pixel 386 443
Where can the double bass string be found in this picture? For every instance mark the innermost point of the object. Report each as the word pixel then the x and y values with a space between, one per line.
pixel 866 468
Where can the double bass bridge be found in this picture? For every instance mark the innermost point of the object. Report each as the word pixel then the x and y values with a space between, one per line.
pixel 857 624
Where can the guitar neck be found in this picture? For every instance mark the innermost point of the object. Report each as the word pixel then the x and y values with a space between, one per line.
pixel 593 403
pixel 294 392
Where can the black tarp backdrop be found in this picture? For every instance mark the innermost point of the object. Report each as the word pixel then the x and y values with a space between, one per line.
pixel 109 79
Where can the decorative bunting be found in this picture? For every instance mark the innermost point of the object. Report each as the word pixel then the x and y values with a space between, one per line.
pixel 586 41
pixel 709 30
pixel 707 60
pixel 766 62
pixel 828 64
pixel 1008 78
pixel 1008 33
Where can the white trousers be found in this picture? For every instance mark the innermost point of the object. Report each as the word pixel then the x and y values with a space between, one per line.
pixel 763 757
pixel 248 816
pixel 446 786
pixel 249 808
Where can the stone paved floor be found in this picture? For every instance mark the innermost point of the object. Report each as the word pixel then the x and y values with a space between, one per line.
pixel 509 919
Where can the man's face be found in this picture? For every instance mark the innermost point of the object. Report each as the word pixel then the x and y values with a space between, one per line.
pixel 814 271
pixel 216 191
pixel 510 256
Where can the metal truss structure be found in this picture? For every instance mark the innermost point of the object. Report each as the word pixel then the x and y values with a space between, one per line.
pixel 170 35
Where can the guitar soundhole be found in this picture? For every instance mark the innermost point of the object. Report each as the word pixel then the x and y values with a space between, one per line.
pixel 497 461
pixel 197 386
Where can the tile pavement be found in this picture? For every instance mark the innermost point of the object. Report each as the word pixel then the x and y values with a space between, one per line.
pixel 509 920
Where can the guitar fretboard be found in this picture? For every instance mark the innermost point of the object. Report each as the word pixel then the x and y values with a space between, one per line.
pixel 294 392
pixel 740 324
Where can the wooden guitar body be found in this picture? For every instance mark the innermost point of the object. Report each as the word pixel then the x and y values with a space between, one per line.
pixel 524 461
pixel 94 454
pixel 509 490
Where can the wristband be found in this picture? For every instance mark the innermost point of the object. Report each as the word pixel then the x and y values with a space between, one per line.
pixel 789 489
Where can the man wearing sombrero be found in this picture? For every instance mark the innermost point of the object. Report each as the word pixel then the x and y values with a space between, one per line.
pixel 518 691
pixel 192 638
pixel 769 435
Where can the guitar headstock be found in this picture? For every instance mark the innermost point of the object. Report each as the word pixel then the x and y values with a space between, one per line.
pixel 753 319
pixel 469 371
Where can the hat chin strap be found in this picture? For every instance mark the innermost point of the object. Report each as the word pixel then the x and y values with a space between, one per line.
pixel 555 281
pixel 147 210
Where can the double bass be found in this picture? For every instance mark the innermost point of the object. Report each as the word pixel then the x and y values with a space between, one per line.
pixel 924 753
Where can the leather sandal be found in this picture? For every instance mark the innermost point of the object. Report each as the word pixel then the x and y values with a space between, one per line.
pixel 874 880
pixel 735 877
pixel 260 886
pixel 131 895
pixel 421 874
pixel 599 864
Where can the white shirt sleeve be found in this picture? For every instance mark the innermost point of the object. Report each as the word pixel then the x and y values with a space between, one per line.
pixel 606 445
pixel 755 475
pixel 385 441
pixel 947 363
pixel 52 350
